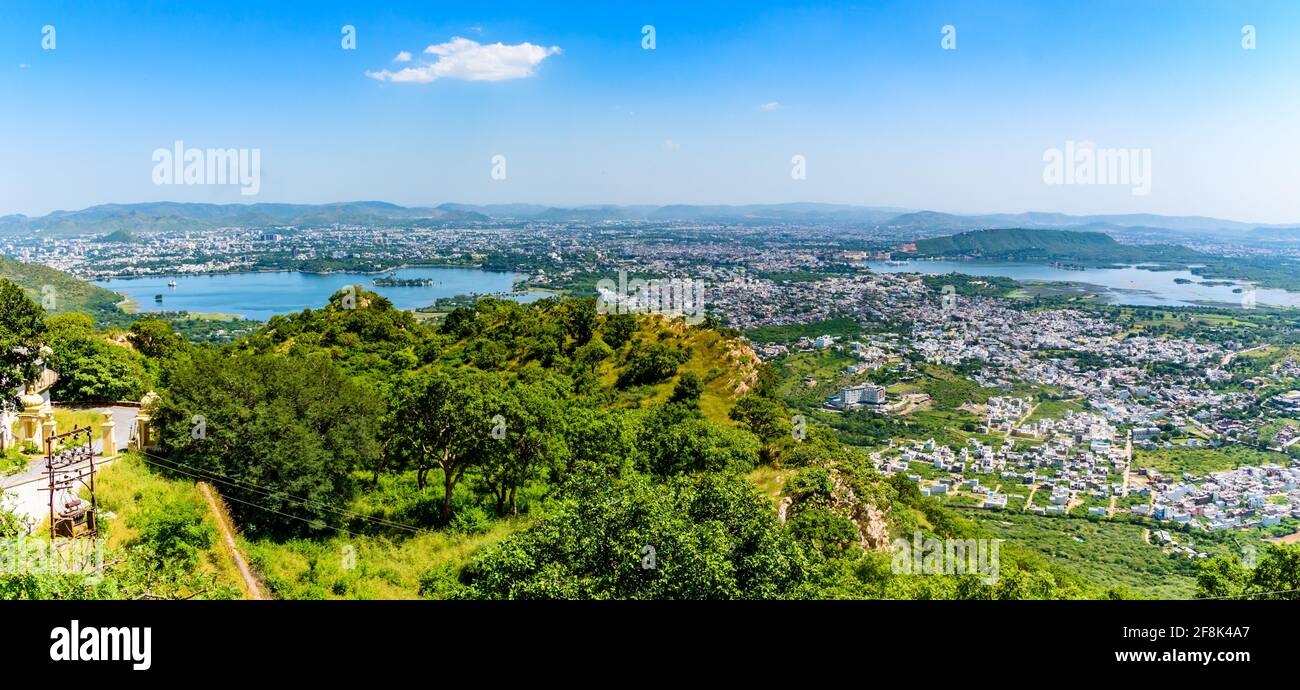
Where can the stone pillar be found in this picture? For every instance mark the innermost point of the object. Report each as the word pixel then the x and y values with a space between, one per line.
pixel 142 432
pixel 51 428
pixel 30 420
pixel 109 435
pixel 144 421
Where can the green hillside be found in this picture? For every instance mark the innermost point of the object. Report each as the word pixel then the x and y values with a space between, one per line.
pixel 48 286
pixel 1021 244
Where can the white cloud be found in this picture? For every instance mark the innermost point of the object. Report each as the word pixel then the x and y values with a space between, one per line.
pixel 769 106
pixel 404 56
pixel 461 58
pixel 23 66
pixel 670 145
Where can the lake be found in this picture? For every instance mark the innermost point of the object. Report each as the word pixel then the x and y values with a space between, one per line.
pixel 260 296
pixel 1129 285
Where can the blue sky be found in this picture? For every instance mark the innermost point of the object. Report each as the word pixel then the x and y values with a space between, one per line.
pixel 882 114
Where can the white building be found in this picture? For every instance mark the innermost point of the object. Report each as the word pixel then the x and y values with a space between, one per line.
pixel 856 396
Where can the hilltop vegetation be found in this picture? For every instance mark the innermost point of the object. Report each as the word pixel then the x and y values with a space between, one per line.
pixel 523 451
pixel 59 292
pixel 1019 244
pixel 540 451
pixel 1094 249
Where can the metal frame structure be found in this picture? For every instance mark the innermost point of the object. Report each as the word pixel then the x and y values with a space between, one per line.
pixel 70 462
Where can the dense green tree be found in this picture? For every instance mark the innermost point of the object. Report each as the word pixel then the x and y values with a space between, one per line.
pixel 618 329
pixel 675 439
pixel 649 363
pixel 22 335
pixel 590 355
pixel 286 430
pixel 1222 577
pixel 688 390
pixel 530 440
pixel 444 420
pixel 764 417
pixel 89 367
pixel 819 447
pixel 155 339
pixel 1276 576
pixel 690 538
pixel 359 329
pixel 578 317
pixel 599 441
pixel 828 533
pixel 461 322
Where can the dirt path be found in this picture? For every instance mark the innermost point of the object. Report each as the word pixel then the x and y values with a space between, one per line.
pixel 1293 538
pixel 250 582
pixel 1227 358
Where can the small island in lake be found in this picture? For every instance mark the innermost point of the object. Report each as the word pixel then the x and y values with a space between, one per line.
pixel 404 282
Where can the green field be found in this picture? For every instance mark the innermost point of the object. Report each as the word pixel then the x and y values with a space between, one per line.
pixel 1201 461
pixel 1054 409
pixel 1109 554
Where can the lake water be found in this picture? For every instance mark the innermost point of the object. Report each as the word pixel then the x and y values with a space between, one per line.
pixel 262 295
pixel 1130 285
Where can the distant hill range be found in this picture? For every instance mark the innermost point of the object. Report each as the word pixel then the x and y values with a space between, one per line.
pixel 166 215
pixel 159 216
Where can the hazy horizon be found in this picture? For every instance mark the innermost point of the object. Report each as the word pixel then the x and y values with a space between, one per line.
pixel 583 113
pixel 434 205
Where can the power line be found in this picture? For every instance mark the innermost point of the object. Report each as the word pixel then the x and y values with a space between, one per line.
pixel 306 502
pixel 314 523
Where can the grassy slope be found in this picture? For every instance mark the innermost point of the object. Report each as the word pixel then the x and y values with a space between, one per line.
pixel 384 568
pixel 1106 553
pixel 66 419
pixel 726 367
pixel 69 294
pixel 390 566
pixel 128 485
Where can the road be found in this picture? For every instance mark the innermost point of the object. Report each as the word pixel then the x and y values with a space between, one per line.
pixel 1227 358
pixel 25 492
